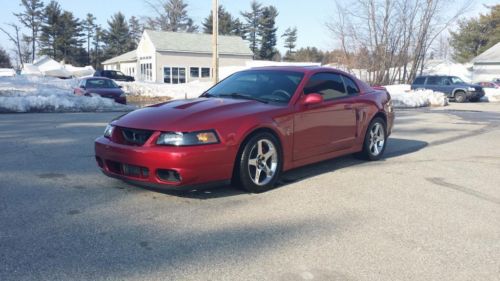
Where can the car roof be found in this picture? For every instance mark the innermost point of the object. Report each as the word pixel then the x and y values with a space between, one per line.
pixel 96 78
pixel 303 69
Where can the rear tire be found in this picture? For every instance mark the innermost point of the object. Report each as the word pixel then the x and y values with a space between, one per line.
pixel 375 140
pixel 460 97
pixel 259 164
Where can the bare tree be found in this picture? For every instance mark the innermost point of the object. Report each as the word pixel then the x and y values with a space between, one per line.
pixel 15 38
pixel 397 34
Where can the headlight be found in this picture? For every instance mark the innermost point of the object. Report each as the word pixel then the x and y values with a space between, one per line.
pixel 108 132
pixel 471 89
pixel 122 95
pixel 185 139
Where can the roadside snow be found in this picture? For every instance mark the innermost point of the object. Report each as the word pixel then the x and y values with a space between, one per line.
pixel 175 91
pixel 45 94
pixel 491 95
pixel 404 97
pixel 7 72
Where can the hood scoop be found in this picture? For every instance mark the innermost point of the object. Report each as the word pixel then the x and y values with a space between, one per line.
pixel 189 104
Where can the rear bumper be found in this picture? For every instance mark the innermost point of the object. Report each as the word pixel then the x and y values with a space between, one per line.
pixel 198 166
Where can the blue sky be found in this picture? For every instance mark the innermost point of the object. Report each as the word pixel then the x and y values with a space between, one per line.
pixel 308 16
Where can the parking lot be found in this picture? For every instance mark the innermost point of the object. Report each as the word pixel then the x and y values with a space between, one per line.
pixel 430 210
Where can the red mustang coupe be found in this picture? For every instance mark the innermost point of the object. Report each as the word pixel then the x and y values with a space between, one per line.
pixel 248 128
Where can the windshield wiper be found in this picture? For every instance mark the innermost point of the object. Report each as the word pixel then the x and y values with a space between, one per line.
pixel 243 96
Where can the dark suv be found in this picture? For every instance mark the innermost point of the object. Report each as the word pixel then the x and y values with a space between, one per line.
pixel 115 75
pixel 454 87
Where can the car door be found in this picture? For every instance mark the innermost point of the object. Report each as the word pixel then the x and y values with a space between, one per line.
pixel 447 86
pixel 326 127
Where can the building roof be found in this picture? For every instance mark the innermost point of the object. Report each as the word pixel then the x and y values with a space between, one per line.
pixel 130 56
pixel 197 43
pixel 492 55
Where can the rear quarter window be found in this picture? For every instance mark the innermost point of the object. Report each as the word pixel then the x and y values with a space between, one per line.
pixel 419 81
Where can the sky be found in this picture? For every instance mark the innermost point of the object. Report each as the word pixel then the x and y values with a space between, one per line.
pixel 308 16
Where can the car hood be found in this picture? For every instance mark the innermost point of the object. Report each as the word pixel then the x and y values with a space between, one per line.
pixel 194 114
pixel 475 86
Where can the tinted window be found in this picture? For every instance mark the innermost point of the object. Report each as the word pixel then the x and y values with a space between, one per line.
pixel 100 84
pixel 351 87
pixel 419 81
pixel 205 72
pixel 434 80
pixel 277 86
pixel 329 85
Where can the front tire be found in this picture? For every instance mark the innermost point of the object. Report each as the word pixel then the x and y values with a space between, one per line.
pixel 260 163
pixel 375 140
pixel 460 97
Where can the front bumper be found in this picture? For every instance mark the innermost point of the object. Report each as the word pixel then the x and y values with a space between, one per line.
pixel 475 94
pixel 198 166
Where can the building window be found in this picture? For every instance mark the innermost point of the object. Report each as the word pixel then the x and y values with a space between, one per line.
pixel 205 72
pixel 174 75
pixel 146 72
pixel 194 72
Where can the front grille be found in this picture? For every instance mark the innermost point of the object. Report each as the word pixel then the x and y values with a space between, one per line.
pixel 127 170
pixel 134 136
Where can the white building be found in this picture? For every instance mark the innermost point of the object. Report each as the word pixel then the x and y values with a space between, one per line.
pixel 175 57
pixel 487 65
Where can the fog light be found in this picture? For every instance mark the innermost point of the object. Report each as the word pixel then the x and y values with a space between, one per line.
pixel 169 175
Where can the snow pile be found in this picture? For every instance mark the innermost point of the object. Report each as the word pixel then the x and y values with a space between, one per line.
pixel 45 66
pixel 175 91
pixel 404 97
pixel 7 72
pixel 443 67
pixel 45 94
pixel 491 95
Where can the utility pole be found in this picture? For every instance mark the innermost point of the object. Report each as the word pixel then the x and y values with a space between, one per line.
pixel 215 41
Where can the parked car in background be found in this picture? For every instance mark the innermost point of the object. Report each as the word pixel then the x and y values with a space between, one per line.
pixel 493 85
pixel 103 87
pixel 454 87
pixel 248 128
pixel 115 75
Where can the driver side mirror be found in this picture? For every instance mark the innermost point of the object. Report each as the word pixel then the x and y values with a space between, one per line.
pixel 82 87
pixel 312 99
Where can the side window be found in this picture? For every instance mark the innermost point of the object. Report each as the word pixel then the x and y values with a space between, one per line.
pixel 446 81
pixel 433 80
pixel 351 87
pixel 419 81
pixel 329 85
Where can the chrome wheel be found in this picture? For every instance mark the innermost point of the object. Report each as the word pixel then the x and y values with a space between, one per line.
pixel 376 139
pixel 262 162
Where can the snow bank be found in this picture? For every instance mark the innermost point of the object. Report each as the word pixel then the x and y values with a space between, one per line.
pixel 7 72
pixel 404 97
pixel 45 94
pixel 491 95
pixel 175 91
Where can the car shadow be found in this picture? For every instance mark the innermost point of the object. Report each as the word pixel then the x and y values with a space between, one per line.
pixel 395 147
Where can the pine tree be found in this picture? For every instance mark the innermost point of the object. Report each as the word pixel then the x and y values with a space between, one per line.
pixel 290 36
pixel 172 15
pixel 136 30
pixel 31 18
pixel 89 29
pixel 71 40
pixel 476 35
pixel 252 25
pixel 117 37
pixel 228 25
pixel 4 59
pixel 267 33
pixel 51 29
pixel 98 52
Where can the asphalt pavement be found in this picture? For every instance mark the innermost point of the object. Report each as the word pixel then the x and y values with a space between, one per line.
pixel 430 210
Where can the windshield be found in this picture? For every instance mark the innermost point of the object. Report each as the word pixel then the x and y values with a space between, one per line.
pixel 101 83
pixel 261 85
pixel 456 80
